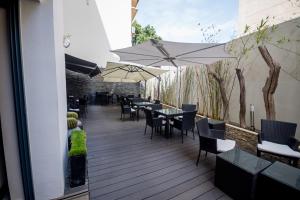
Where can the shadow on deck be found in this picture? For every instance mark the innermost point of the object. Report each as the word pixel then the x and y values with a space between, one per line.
pixel 123 163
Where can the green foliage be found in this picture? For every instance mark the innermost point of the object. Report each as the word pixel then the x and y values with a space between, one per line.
pixel 187 84
pixel 210 33
pixel 247 28
pixel 262 31
pixel 143 34
pixel 282 40
pixel 168 89
pixel 72 122
pixel 72 114
pixel 78 143
pixel 222 71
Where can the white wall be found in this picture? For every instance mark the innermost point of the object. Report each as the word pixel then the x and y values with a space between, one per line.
pixel 87 34
pixel 251 12
pixel 97 27
pixel 45 91
pixel 116 17
pixel 7 113
pixel 287 94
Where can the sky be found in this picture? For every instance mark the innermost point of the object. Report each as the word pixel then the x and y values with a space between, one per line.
pixel 182 20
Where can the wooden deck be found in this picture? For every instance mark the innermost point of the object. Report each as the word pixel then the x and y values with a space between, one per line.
pixel 123 163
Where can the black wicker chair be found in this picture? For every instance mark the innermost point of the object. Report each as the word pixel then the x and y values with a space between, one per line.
pixel 157 101
pixel 189 107
pixel 211 140
pixel 185 124
pixel 156 107
pixel 73 105
pixel 126 109
pixel 153 122
pixel 83 102
pixel 277 138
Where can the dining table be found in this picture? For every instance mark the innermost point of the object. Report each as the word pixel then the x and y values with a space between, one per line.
pixel 139 105
pixel 169 113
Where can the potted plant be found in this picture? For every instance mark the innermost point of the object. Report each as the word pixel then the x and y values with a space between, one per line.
pixel 72 122
pixel 72 114
pixel 77 157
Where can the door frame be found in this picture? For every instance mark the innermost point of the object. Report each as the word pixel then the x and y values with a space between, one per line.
pixel 4 189
pixel 12 9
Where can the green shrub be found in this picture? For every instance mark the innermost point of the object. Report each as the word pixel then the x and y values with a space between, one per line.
pixel 78 143
pixel 72 122
pixel 72 114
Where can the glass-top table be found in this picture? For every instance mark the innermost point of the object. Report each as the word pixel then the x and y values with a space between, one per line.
pixel 169 113
pixel 284 174
pixel 244 160
pixel 139 105
pixel 237 171
pixel 143 103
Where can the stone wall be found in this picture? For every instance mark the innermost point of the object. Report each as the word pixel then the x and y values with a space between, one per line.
pixel 244 139
pixel 80 84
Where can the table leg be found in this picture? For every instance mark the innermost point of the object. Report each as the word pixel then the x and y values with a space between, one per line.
pixel 167 127
pixel 138 113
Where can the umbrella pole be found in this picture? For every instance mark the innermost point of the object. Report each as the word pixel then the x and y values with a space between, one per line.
pixel 140 88
pixel 145 89
pixel 158 88
pixel 177 88
pixel 179 93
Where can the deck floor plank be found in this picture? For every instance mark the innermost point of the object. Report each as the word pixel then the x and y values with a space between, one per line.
pixel 123 163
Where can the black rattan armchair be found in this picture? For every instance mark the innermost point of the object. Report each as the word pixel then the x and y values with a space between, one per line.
pixel 157 101
pixel 278 138
pixel 189 107
pixel 211 140
pixel 126 109
pixel 186 124
pixel 153 122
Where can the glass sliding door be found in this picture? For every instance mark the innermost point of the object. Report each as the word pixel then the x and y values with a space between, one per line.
pixel 4 193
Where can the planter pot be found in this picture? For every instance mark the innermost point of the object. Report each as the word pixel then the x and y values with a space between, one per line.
pixel 78 170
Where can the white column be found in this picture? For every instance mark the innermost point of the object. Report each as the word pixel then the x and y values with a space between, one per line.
pixel 45 93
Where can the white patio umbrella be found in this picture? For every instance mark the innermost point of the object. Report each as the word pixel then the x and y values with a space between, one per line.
pixel 118 80
pixel 166 53
pixel 129 73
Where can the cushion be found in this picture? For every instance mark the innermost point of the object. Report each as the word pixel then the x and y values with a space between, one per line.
pixel 148 108
pixel 279 149
pixel 225 145
pixel 132 110
pixel 74 109
pixel 178 118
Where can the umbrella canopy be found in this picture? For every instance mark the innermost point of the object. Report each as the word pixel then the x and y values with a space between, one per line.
pixel 166 53
pixel 124 72
pixel 118 80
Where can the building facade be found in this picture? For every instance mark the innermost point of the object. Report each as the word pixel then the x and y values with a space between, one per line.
pixel 252 12
pixel 33 145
